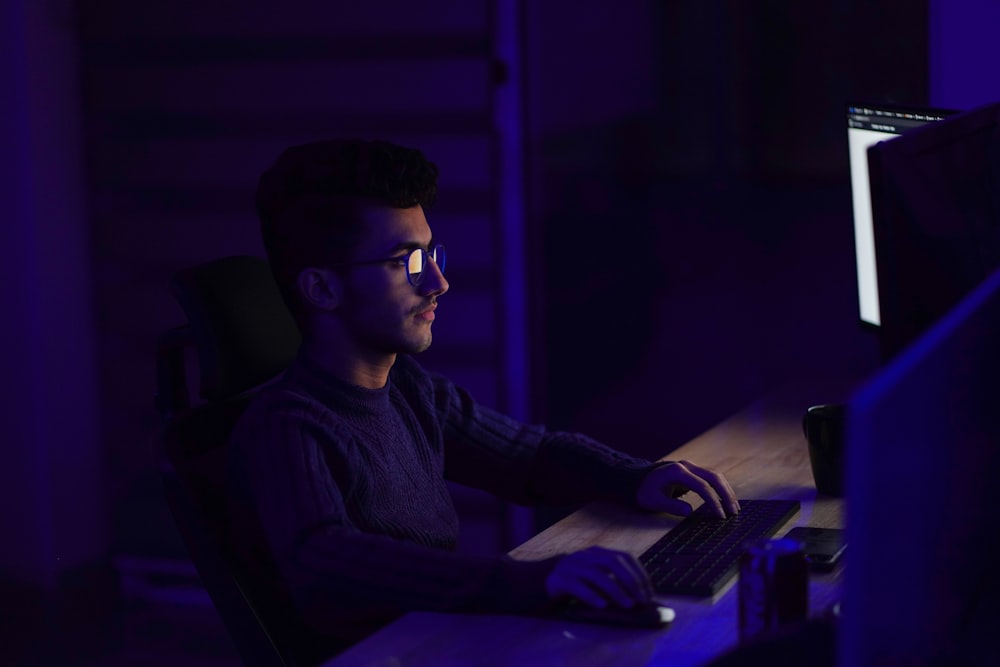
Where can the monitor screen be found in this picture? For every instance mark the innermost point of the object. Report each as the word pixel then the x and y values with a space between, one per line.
pixel 935 196
pixel 923 457
pixel 868 124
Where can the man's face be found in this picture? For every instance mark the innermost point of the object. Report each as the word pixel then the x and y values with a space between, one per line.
pixel 382 312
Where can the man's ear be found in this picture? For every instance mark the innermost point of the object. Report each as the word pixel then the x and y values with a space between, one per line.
pixel 320 288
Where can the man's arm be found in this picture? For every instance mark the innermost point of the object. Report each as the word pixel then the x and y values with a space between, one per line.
pixel 529 465
pixel 281 465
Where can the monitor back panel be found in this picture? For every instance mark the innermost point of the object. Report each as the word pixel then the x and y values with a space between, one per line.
pixel 923 467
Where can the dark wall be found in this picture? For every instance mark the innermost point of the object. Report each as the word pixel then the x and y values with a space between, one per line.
pixel 691 192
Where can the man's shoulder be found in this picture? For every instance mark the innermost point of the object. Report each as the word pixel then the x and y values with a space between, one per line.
pixel 415 381
pixel 285 401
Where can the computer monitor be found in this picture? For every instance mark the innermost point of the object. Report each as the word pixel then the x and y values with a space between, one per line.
pixel 868 124
pixel 935 196
pixel 922 579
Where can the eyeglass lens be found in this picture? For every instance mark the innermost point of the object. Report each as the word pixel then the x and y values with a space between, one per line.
pixel 415 262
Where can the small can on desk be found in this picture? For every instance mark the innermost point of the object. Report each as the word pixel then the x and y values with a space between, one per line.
pixel 773 587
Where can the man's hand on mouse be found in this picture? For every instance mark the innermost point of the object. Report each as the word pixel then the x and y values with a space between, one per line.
pixel 660 489
pixel 598 577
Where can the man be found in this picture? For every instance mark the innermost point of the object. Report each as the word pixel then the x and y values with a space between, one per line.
pixel 341 463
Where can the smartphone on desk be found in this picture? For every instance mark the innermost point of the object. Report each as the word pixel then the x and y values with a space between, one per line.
pixel 824 547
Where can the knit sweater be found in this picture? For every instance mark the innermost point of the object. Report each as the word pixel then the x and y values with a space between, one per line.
pixel 344 487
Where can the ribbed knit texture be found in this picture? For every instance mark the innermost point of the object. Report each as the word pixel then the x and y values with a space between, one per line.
pixel 345 488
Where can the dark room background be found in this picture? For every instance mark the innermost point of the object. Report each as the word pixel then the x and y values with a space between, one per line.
pixel 646 205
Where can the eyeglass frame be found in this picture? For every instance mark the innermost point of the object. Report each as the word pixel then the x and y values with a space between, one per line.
pixel 405 259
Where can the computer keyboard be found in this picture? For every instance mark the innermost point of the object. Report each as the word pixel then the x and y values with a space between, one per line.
pixel 701 554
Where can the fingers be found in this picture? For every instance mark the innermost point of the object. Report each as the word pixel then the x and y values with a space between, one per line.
pixel 636 577
pixel 727 500
pixel 657 489
pixel 598 576
pixel 700 486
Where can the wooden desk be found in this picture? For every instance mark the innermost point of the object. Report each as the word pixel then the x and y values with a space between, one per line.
pixel 763 453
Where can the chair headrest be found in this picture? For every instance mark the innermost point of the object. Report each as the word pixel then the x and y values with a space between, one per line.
pixel 244 332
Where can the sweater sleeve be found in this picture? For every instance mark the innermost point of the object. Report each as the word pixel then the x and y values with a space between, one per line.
pixel 281 459
pixel 525 463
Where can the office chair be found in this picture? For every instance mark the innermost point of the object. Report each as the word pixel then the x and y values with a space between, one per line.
pixel 239 325
pixel 242 335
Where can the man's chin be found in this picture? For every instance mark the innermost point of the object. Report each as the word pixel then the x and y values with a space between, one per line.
pixel 416 345
pixel 421 347
pixel 408 342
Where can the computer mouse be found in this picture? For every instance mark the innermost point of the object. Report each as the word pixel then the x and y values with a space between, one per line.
pixel 643 615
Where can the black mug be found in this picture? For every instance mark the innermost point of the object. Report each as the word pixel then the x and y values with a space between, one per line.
pixel 823 426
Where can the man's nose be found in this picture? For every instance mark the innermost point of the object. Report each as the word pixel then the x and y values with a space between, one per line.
pixel 434 282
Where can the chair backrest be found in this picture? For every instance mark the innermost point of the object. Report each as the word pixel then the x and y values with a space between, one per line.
pixel 242 329
pixel 242 335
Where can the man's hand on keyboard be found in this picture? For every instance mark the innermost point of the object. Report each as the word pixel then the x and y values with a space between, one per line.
pixel 660 489
pixel 599 577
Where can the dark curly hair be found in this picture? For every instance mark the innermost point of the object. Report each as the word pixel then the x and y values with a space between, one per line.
pixel 308 200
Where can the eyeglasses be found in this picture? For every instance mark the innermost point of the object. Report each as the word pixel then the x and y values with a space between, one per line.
pixel 415 262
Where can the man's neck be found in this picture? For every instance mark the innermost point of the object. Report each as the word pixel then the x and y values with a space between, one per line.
pixel 354 369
